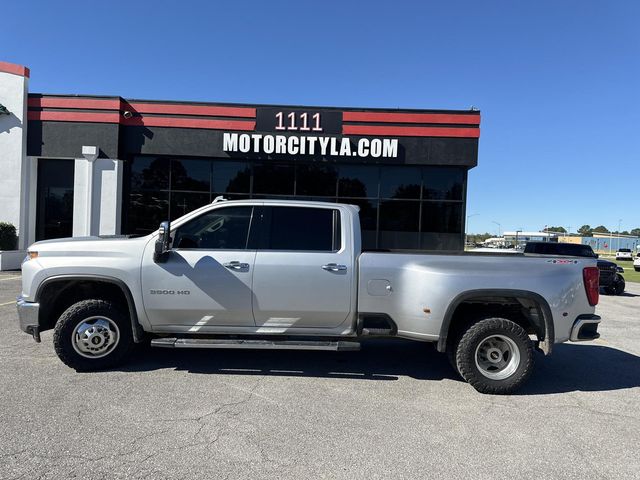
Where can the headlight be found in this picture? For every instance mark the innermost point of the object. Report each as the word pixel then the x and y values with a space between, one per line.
pixel 30 256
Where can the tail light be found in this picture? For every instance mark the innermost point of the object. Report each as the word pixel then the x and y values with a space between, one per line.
pixel 591 276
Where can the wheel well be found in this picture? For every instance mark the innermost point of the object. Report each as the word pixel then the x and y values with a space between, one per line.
pixel 527 312
pixel 58 295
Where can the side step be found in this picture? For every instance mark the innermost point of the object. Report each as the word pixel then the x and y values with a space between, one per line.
pixel 337 346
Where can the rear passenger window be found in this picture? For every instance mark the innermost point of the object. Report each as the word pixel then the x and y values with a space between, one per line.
pixel 299 228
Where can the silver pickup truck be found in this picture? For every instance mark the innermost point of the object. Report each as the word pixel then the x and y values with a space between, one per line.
pixel 291 275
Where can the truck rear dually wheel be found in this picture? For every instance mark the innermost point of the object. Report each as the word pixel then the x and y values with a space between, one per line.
pixel 495 355
pixel 92 335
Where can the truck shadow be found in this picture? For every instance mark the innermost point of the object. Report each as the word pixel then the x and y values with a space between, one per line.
pixel 570 368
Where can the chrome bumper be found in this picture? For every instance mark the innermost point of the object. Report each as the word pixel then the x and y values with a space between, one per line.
pixel 28 317
pixel 585 328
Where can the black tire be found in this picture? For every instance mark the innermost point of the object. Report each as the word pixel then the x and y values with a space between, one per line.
pixel 619 285
pixel 521 362
pixel 637 269
pixel 63 335
pixel 610 290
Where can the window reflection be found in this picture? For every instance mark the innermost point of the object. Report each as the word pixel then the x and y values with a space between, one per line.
pixel 358 181
pixel 273 179
pixel 183 203
pixel 316 179
pixel 146 211
pixel 191 175
pixel 150 173
pixel 391 213
pixel 399 224
pixel 231 177
pixel 443 183
pixel 400 182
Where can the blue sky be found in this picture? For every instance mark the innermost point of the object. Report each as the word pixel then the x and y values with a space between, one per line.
pixel 558 83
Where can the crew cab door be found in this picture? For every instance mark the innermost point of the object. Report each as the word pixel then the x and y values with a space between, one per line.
pixel 303 274
pixel 206 278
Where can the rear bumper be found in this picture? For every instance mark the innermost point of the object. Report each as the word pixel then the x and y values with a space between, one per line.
pixel 28 317
pixel 585 328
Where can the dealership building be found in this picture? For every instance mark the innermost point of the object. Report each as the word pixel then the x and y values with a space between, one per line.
pixel 79 165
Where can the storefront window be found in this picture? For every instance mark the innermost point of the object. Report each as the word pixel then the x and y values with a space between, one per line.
pixel 399 224
pixel 400 182
pixel 443 183
pixel 231 177
pixel 194 175
pixel 401 207
pixel 359 181
pixel 316 179
pixel 273 179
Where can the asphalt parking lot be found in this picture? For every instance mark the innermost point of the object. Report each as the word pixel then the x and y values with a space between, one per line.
pixel 393 410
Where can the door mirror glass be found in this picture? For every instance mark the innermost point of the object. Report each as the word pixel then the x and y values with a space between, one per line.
pixel 163 243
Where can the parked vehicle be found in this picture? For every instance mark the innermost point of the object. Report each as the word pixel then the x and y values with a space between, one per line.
pixel 611 279
pixel 283 274
pixel 636 263
pixel 624 254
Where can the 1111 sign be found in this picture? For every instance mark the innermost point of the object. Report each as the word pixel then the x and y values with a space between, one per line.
pixel 274 119
pixel 298 121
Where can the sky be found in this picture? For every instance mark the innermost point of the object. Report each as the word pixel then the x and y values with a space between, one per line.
pixel 557 83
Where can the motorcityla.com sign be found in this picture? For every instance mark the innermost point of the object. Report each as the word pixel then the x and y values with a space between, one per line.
pixel 310 145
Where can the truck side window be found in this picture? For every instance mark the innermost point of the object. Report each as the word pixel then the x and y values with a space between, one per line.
pixel 307 229
pixel 222 228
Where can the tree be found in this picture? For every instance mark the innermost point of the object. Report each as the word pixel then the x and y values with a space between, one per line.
pixel 635 232
pixel 556 229
pixel 585 231
pixel 600 229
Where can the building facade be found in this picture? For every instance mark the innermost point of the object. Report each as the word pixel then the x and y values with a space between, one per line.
pixel 77 165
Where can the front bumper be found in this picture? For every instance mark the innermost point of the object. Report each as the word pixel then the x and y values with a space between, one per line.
pixel 585 328
pixel 28 317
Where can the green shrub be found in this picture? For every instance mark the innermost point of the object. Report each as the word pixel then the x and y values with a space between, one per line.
pixel 8 237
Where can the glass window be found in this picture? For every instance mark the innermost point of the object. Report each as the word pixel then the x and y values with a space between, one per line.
pixel 443 183
pixel 442 217
pixel 399 224
pixel 184 202
pixel 146 211
pixel 358 181
pixel 273 179
pixel 150 173
pixel 400 182
pixel 316 179
pixel 192 175
pixel 231 177
pixel 309 229
pixel 222 228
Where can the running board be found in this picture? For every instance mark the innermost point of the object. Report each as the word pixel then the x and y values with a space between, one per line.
pixel 339 346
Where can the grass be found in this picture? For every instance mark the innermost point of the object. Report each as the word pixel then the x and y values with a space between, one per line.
pixel 630 275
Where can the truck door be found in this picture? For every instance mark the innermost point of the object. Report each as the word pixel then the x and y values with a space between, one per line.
pixel 303 271
pixel 206 279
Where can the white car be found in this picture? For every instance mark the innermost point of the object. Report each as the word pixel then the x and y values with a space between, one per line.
pixel 636 263
pixel 624 254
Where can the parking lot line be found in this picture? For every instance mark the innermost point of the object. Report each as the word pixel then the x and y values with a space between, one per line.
pixel 8 303
pixel 10 278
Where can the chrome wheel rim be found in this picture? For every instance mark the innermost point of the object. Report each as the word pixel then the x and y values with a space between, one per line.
pixel 497 357
pixel 95 337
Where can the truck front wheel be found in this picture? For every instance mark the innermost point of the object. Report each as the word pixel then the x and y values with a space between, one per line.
pixel 92 335
pixel 495 355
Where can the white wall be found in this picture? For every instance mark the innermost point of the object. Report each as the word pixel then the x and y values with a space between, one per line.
pixel 14 177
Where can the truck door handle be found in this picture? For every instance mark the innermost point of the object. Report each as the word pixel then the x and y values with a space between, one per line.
pixel 235 265
pixel 334 267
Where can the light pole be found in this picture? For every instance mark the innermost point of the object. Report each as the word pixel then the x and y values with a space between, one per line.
pixel 619 224
pixel 466 230
pixel 499 227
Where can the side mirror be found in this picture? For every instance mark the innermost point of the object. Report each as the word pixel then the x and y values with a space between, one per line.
pixel 163 243
pixel 597 255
